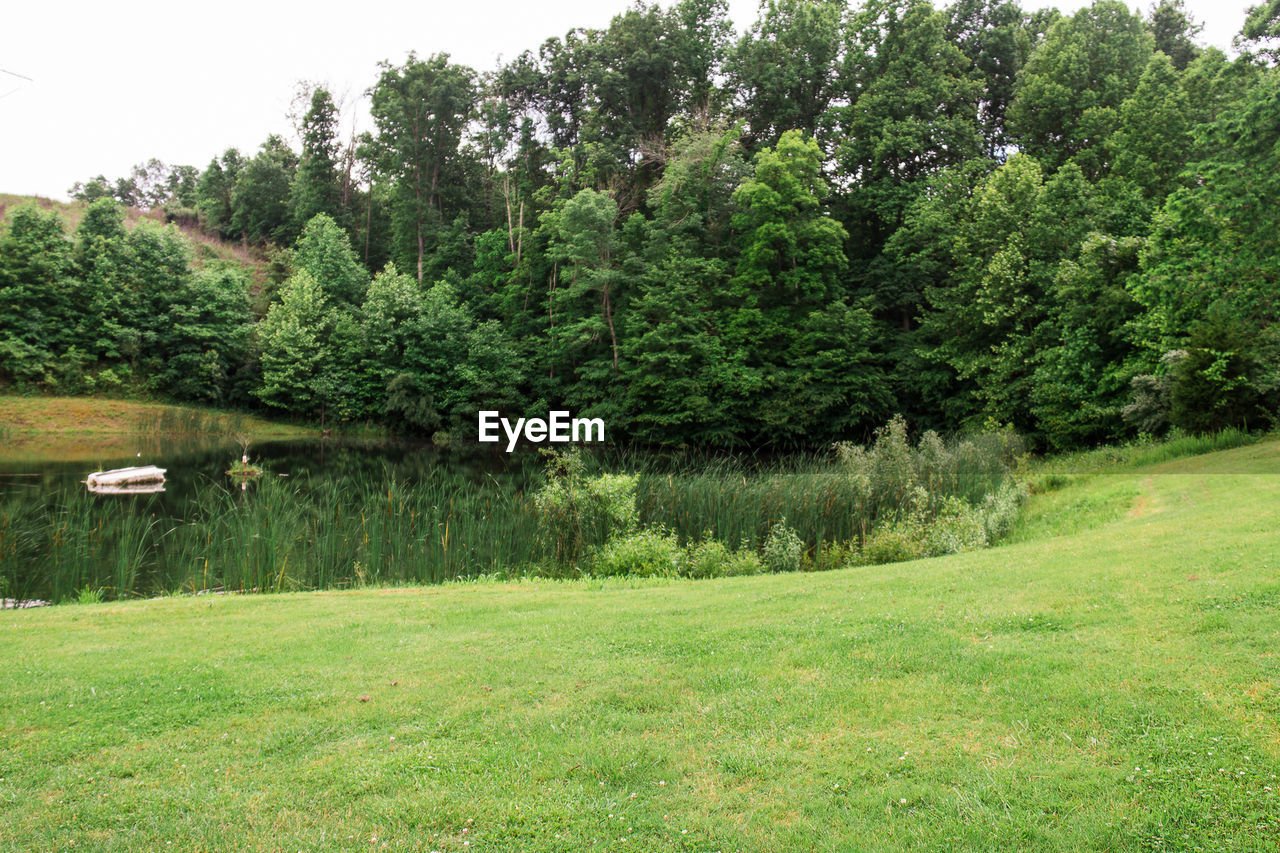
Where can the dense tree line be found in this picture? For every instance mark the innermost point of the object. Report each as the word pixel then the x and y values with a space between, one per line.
pixel 972 214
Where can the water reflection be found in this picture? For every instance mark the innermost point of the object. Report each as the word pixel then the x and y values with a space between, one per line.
pixel 308 520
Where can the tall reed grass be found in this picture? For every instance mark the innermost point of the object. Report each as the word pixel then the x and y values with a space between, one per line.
pixel 838 499
pixel 280 535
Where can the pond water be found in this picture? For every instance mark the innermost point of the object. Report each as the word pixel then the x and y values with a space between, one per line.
pixel 57 539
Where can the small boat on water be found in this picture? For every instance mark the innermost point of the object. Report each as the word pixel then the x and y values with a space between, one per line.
pixel 127 481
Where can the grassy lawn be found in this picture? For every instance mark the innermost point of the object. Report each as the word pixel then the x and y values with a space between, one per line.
pixel 1109 682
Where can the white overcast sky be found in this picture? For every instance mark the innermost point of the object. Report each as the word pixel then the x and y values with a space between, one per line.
pixel 118 82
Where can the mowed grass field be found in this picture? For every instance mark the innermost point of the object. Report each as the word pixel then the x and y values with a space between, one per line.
pixel 1109 682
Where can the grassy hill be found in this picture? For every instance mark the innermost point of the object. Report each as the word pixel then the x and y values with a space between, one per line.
pixel 1111 682
pixel 205 246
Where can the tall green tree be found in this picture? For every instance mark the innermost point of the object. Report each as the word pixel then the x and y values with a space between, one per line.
pixel 205 336
pixel 316 183
pixel 421 110
pixel 783 71
pixel 586 279
pixel 323 250
pixel 1214 244
pixel 38 297
pixel 1067 98
pixel 1174 32
pixel 296 352
pixel 214 192
pixel 994 37
pixel 913 111
pixel 260 200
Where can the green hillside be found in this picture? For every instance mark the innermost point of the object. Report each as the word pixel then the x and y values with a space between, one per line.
pixel 205 246
pixel 1109 685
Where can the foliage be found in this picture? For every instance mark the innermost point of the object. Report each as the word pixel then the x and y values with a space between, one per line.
pixel 783 550
pixel 644 554
pixel 967 213
pixel 578 512
pixel 1222 381
pixel 710 558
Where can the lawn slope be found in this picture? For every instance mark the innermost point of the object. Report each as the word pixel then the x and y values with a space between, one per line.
pixel 1110 683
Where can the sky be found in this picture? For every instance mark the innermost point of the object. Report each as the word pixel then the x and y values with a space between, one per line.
pixel 113 84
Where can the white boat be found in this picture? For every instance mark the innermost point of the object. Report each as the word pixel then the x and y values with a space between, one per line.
pixel 144 475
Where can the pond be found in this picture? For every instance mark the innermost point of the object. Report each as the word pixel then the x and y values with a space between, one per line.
pixel 331 514
pixel 310 520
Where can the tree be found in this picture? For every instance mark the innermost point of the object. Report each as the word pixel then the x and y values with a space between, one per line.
pixel 1084 361
pixel 260 200
pixel 103 260
pixel 788 266
pixel 783 71
pixel 214 192
pixel 1174 32
pixel 985 313
pixel 993 36
pixel 421 111
pixel 205 336
pixel 584 289
pixel 1067 96
pixel 913 112
pixel 1214 243
pixel 1262 29
pixel 315 187
pixel 1153 141
pixel 1220 382
pixel 296 356
pixel 790 250
pixel 38 298
pixel 323 250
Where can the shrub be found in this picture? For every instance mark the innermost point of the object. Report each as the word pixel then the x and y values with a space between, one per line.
pixel 1000 509
pixel 578 512
pixel 711 559
pixel 649 553
pixel 892 543
pixel 783 549
pixel 955 526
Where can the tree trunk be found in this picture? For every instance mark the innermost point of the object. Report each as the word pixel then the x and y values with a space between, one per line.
pixel 608 316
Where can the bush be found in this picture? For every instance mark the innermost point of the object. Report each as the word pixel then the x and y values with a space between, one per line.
pixel 954 527
pixel 893 543
pixel 647 554
pixel 783 549
pixel 711 559
pixel 957 527
pixel 579 512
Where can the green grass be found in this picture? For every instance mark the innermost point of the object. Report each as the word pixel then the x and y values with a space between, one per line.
pixel 1109 683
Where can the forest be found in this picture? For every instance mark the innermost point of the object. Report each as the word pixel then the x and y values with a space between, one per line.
pixel 974 216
